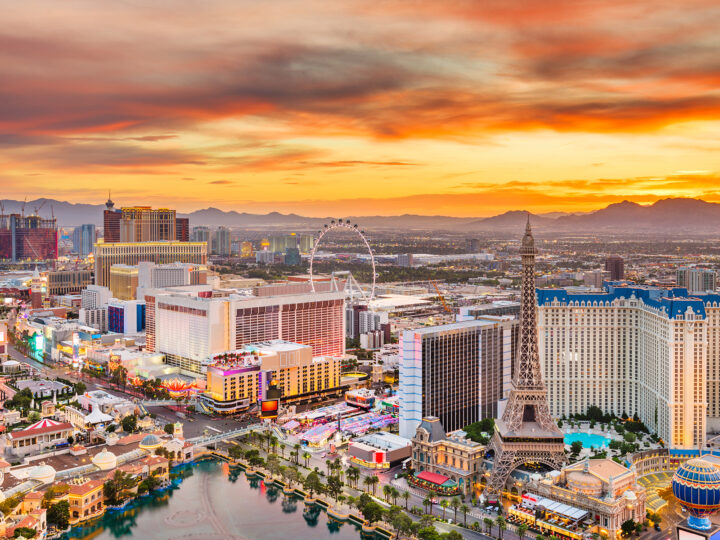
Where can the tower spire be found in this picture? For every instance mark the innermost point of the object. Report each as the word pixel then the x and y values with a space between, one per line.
pixel 526 432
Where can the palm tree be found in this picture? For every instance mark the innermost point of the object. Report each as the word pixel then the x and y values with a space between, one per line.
pixel 368 481
pixel 273 443
pixel 455 503
pixel 521 530
pixel 427 502
pixel 387 490
pixel 465 509
pixel 353 473
pixel 329 465
pixel 394 493
pixel 297 453
pixel 406 496
pixel 306 456
pixel 488 525
pixel 374 483
pixel 502 525
pixel 444 503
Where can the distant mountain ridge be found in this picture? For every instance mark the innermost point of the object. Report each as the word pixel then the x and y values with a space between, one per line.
pixel 666 215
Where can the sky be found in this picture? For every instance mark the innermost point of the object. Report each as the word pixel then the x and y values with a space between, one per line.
pixel 453 107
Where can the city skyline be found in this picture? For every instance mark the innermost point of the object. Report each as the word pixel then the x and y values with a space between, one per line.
pixel 418 108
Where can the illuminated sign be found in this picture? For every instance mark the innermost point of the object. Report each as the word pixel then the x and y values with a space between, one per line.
pixel 269 408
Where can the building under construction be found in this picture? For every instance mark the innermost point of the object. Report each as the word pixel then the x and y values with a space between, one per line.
pixel 28 238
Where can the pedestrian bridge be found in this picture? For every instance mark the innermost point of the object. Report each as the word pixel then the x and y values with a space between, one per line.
pixel 226 435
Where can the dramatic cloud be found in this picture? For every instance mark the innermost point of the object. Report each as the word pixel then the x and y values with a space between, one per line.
pixel 368 100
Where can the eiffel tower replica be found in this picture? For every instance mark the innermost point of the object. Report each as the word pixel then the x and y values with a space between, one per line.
pixel 526 433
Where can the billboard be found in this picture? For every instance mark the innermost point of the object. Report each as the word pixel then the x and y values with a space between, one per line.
pixel 269 408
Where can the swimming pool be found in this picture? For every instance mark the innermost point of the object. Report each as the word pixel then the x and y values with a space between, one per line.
pixel 588 440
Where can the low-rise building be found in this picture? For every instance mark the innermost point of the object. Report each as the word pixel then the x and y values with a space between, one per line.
pixel 607 490
pixel 86 500
pixel 453 456
pixel 380 450
pixel 37 437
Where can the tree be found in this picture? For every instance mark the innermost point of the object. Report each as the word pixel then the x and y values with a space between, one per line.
pixel 129 423
pixel 306 456
pixel 372 512
pixel 627 527
pixel 427 503
pixel 80 388
pixel 334 486
pixel 630 437
pixel 387 488
pixel 576 447
pixel 455 504
pixel 521 530
pixel 312 483
pixel 488 525
pixel 59 514
pixel 169 429
pixel 25 532
pixel 465 509
pixel 406 495
pixel 352 474
pixel 444 504
pixel 502 525
pixel 453 535
pixel 401 522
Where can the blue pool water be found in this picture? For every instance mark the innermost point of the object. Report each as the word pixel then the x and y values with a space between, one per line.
pixel 589 440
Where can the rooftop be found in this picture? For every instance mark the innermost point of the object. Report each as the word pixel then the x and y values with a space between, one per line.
pixel 458 326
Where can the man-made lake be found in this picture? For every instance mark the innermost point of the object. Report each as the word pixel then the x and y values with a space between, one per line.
pixel 216 502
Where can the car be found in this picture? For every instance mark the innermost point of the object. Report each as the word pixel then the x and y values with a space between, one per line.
pixel 657 527
pixel 323 454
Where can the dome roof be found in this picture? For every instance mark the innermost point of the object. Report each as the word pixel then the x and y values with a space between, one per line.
pixel 584 479
pixel 105 460
pixel 696 484
pixel 42 473
pixel 150 442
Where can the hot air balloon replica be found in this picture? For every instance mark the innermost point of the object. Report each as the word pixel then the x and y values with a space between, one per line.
pixel 696 485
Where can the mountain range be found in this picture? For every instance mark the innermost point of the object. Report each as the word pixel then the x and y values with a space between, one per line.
pixel 673 215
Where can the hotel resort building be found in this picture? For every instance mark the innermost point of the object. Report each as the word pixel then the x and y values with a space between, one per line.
pixel 606 492
pixel 238 379
pixel 131 253
pixel 193 325
pixel 459 373
pixel 634 350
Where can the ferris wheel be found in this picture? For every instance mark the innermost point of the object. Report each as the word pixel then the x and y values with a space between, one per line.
pixel 343 224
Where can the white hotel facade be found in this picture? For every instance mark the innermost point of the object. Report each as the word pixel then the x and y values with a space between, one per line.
pixel 634 350
pixel 190 324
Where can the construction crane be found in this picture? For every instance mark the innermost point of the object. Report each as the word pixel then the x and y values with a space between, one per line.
pixel 38 208
pixel 445 306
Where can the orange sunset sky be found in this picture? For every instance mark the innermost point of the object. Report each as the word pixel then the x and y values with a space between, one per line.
pixel 466 108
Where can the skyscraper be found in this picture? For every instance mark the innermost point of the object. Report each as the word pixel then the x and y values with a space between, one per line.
pixel 458 372
pixel 111 222
pixel 131 253
pixel 696 279
pixel 635 350
pixel 201 234
pixel 616 266
pixel 188 327
pixel 83 239
pixel 221 242
pixel 182 229
pixel 145 224
pixel 28 238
